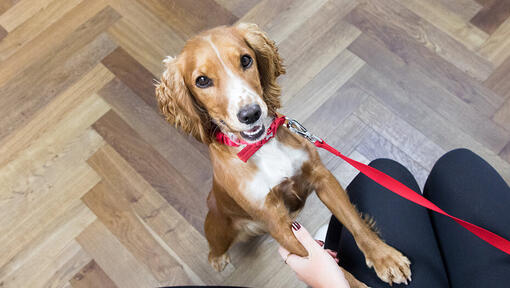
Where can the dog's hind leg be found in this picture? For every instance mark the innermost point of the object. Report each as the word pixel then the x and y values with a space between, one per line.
pixel 220 235
pixel 353 282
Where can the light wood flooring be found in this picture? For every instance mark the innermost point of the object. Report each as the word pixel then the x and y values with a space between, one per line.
pixel 96 190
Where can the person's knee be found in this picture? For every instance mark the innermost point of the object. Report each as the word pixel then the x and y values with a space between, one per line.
pixel 459 153
pixel 455 157
pixel 387 165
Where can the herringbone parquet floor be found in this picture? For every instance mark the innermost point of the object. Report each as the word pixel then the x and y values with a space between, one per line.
pixel 98 191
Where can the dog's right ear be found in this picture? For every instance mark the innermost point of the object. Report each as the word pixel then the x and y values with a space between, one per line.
pixel 178 105
pixel 269 62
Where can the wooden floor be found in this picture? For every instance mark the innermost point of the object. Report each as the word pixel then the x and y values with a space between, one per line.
pixel 98 191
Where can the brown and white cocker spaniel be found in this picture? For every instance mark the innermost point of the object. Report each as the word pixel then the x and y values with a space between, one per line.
pixel 224 81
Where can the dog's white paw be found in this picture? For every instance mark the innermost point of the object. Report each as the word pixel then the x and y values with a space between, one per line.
pixel 219 263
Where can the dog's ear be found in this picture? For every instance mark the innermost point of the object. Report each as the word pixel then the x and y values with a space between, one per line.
pixel 269 62
pixel 178 105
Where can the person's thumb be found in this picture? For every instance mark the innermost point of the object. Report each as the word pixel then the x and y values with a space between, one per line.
pixel 295 262
pixel 304 237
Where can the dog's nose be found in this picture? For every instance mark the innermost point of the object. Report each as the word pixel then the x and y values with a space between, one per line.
pixel 249 114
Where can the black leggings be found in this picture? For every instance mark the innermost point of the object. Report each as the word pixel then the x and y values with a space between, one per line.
pixel 442 253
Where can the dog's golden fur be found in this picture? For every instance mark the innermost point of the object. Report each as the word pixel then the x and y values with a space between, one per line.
pixel 235 211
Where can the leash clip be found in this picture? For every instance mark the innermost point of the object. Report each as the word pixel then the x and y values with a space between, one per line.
pixel 296 127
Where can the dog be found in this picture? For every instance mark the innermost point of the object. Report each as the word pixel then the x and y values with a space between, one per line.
pixel 224 80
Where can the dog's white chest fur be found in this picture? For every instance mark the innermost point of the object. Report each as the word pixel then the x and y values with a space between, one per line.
pixel 275 162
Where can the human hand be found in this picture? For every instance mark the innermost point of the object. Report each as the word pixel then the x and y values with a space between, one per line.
pixel 320 268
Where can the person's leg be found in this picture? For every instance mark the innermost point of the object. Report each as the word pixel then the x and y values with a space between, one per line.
pixel 402 224
pixel 464 185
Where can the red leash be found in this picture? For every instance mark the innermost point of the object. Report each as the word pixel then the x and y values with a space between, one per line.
pixel 381 178
pixel 403 191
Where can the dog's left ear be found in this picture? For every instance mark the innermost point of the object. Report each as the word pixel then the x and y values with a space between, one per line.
pixel 178 105
pixel 269 62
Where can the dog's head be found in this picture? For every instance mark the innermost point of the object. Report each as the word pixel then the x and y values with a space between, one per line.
pixel 224 78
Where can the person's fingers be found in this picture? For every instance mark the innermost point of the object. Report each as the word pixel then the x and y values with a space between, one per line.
pixel 320 242
pixel 332 253
pixel 304 237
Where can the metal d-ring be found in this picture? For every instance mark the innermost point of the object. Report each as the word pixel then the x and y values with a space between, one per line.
pixel 296 127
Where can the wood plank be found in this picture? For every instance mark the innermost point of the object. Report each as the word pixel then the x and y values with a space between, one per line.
pixel 154 168
pixel 91 275
pixel 186 18
pixel 18 13
pixel 456 27
pixel 120 265
pixel 20 233
pixel 415 54
pixel 151 27
pixel 344 137
pixel 499 81
pixel 426 120
pixel 375 146
pixel 112 209
pixel 75 29
pixel 399 133
pixel 390 20
pixel 6 5
pixel 426 92
pixel 136 43
pixel 36 256
pixel 50 115
pixel 505 154
pixel 73 265
pixel 22 176
pixel 133 74
pixel 465 9
pixel 279 28
pixel 34 173
pixel 264 12
pixel 502 117
pixel 335 110
pixel 492 16
pixel 311 30
pixel 319 55
pixel 35 88
pixel 34 26
pixel 3 33
pixel 238 8
pixel 185 244
pixel 484 3
pixel 187 155
pixel 497 48
pixel 37 185
pixel 51 268
pixel 322 86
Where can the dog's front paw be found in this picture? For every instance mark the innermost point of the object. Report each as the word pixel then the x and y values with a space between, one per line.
pixel 390 265
pixel 219 263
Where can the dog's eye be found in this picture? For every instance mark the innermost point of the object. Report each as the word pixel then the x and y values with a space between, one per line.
pixel 203 82
pixel 246 61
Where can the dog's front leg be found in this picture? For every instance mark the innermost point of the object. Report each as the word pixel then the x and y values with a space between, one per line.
pixel 390 265
pixel 278 222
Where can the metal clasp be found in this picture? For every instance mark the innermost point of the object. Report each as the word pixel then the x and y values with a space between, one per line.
pixel 296 127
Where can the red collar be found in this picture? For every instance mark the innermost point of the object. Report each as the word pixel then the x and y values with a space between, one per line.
pixel 250 149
